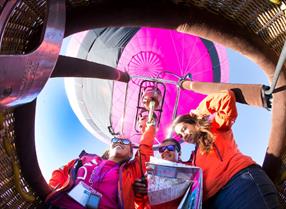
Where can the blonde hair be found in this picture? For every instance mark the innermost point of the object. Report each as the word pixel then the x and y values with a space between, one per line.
pixel 206 138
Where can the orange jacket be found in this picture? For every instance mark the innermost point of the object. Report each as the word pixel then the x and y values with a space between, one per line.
pixel 225 159
pixel 63 178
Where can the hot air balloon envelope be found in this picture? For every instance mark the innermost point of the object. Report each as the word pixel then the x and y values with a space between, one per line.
pixel 148 55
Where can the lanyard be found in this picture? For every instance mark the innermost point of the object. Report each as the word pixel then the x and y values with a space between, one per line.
pixel 98 175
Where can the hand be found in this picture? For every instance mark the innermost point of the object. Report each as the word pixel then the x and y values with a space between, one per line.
pixel 182 81
pixel 140 188
pixel 151 123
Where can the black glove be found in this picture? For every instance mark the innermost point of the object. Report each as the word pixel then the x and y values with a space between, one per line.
pixel 272 166
pixel 140 187
pixel 266 98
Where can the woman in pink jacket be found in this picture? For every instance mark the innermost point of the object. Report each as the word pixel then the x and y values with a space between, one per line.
pixel 108 182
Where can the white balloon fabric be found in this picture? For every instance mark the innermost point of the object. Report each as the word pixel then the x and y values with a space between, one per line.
pixel 148 52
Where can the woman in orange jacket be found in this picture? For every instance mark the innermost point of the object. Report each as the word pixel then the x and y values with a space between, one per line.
pixel 230 178
pixel 108 182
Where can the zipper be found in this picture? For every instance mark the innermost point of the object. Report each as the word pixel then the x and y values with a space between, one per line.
pixel 218 152
pixel 194 153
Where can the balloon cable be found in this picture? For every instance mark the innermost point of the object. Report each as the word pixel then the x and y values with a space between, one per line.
pixel 124 108
pixel 278 70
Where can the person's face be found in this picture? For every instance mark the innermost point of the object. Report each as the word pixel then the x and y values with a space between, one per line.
pixel 120 149
pixel 188 132
pixel 170 154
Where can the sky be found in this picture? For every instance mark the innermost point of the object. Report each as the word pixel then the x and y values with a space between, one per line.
pixel 60 137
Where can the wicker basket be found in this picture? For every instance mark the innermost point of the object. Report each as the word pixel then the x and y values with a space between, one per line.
pixel 24 29
pixel 14 190
pixel 262 18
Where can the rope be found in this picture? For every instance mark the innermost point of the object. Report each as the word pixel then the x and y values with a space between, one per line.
pixel 278 70
pixel 16 170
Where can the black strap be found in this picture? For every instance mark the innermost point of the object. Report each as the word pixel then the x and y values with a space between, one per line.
pixel 74 169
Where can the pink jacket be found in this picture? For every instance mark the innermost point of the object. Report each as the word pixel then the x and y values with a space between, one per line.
pixel 63 179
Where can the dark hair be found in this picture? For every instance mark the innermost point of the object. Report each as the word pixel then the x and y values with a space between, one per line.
pixel 206 139
pixel 177 144
pixel 183 119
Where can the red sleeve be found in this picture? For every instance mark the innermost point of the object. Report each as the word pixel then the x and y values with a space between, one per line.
pixel 222 105
pixel 146 146
pixel 147 141
pixel 146 150
pixel 60 176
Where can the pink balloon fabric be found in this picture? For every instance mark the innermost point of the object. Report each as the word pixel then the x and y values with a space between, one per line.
pixel 159 53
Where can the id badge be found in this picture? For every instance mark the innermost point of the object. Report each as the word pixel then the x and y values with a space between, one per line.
pixel 93 201
pixel 85 195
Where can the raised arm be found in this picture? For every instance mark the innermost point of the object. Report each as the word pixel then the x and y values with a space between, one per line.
pixel 250 94
pixel 221 106
pixel 146 142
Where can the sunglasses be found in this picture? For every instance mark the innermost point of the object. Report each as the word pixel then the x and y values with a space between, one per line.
pixel 119 140
pixel 168 147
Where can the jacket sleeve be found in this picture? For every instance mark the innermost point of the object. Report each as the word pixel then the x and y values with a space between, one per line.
pixel 222 108
pixel 61 175
pixel 147 141
pixel 146 150
pixel 146 146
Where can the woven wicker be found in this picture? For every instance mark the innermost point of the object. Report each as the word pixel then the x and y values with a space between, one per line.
pixel 9 193
pixel 263 18
pixel 23 30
